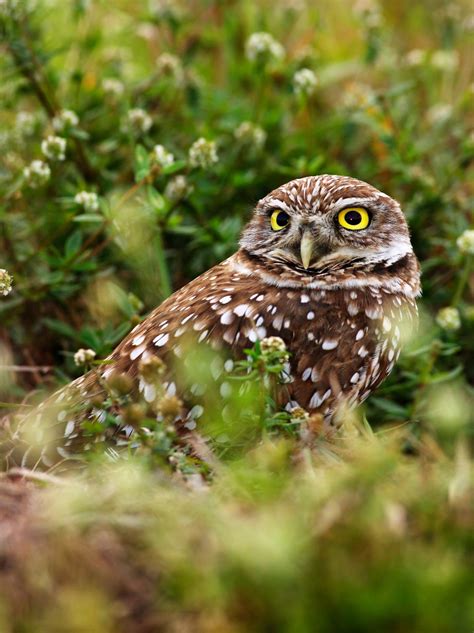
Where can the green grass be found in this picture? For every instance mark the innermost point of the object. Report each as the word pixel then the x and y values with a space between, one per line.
pixel 278 528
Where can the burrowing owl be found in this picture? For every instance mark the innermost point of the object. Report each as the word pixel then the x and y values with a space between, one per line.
pixel 326 264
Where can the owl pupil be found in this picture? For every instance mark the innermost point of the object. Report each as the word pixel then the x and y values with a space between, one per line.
pixel 282 218
pixel 353 217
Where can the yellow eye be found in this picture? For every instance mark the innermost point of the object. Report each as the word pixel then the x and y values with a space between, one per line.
pixel 279 219
pixel 354 218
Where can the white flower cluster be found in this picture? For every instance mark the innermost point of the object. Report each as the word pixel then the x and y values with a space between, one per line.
pixel 170 66
pixel 37 174
pixel 273 344
pixel 465 242
pixel 263 47
pixel 161 156
pixel 84 356
pixel 203 153
pixel 54 147
pixel 178 188
pixel 88 200
pixel 449 319
pixel 65 120
pixel 6 281
pixel 25 123
pixel 445 60
pixel 113 87
pixel 305 82
pixel 139 120
pixel 250 133
pixel 8 8
pixel 439 113
pixel 415 57
pixel 164 9
pixel 369 11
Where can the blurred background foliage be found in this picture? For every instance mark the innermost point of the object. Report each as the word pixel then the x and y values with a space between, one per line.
pixel 109 202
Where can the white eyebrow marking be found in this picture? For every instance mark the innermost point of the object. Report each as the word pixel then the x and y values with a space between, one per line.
pixel 349 202
pixel 280 204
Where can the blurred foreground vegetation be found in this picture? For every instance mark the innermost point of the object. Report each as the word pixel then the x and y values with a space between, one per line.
pixel 109 202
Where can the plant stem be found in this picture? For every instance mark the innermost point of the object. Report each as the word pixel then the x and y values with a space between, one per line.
pixel 462 280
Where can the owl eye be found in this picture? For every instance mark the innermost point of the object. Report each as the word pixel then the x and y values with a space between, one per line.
pixel 279 219
pixel 354 218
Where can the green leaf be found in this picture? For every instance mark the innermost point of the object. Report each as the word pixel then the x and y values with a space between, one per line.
pixel 89 217
pixel 73 244
pixel 176 166
pixel 155 199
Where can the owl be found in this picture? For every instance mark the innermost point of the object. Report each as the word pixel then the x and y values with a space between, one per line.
pixel 325 264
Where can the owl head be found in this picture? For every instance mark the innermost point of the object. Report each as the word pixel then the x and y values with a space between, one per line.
pixel 327 222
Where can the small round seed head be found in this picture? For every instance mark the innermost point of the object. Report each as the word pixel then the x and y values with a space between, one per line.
pixel 263 47
pixel 151 369
pixel 37 174
pixel 170 406
pixel 6 281
pixel 84 356
pixel 449 319
pixel 139 121
pixel 178 188
pixel 88 200
pixel 161 156
pixel 65 120
pixel 305 82
pixel 272 344
pixel 120 382
pixel 250 134
pixel 298 413
pixel 465 242
pixel 133 414
pixel 113 87
pixel 203 153
pixel 54 147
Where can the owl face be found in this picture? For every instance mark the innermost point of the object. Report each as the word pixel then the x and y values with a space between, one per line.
pixel 327 222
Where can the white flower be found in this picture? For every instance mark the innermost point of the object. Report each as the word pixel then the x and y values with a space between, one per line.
pixel 37 173
pixel 305 82
pixel 164 9
pixel 263 47
pixel 84 356
pixel 54 147
pixel 465 242
pixel 139 120
pixel 439 113
pixel 8 8
pixel 415 57
pixel 25 123
pixel 369 11
pixel 113 87
pixel 170 66
pixel 449 318
pixel 65 120
pixel 445 60
pixel 88 200
pixel 162 156
pixel 247 132
pixel 272 344
pixel 178 188
pixel 203 153
pixel 6 281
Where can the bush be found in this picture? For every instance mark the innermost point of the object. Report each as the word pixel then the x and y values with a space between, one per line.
pixel 135 139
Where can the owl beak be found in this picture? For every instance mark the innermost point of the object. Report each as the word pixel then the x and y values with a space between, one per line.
pixel 306 248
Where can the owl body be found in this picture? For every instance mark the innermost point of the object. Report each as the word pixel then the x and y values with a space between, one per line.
pixel 325 263
pixel 343 337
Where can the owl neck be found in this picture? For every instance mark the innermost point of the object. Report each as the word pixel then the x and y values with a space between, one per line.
pixel 400 276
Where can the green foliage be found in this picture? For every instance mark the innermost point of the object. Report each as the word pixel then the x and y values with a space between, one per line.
pixel 176 118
